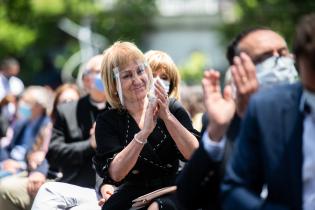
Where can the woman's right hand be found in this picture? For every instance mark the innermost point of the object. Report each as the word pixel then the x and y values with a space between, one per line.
pixel 150 117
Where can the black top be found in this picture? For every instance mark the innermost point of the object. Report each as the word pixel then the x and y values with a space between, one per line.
pixel 70 149
pixel 158 158
pixel 198 185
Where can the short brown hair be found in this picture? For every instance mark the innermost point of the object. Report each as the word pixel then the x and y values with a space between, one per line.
pixel 58 92
pixel 159 60
pixel 304 42
pixel 118 55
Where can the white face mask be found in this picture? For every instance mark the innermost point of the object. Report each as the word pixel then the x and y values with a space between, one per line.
pixel 165 83
pixel 276 70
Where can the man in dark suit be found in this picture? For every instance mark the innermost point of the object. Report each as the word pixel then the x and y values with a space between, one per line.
pixel 249 55
pixel 72 147
pixel 72 143
pixel 276 147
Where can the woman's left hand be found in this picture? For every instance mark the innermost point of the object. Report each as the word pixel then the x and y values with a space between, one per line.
pixel 106 190
pixel 162 100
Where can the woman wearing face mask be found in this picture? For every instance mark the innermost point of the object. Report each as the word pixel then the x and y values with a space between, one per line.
pixel 31 118
pixel 164 68
pixel 139 142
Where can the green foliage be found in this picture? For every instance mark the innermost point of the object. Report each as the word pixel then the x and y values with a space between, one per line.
pixel 279 15
pixel 29 28
pixel 192 71
pixel 15 38
pixel 128 20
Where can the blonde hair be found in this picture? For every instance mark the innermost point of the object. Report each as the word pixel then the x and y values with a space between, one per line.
pixel 120 54
pixel 40 95
pixel 159 60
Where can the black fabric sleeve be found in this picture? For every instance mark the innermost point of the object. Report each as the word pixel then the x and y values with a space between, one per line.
pixel 198 182
pixel 183 117
pixel 62 153
pixel 108 143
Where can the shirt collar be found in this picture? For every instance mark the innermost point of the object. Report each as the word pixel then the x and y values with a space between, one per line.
pixel 98 105
pixel 303 105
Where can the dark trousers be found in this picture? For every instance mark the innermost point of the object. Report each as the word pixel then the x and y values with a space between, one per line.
pixel 122 198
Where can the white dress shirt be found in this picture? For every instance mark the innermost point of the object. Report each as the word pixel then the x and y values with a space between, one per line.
pixel 214 149
pixel 308 171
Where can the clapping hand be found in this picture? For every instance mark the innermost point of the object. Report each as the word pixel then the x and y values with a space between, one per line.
pixel 220 108
pixel 244 77
pixel 162 100
pixel 150 117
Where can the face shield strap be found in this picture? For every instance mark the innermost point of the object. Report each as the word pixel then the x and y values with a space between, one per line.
pixel 145 65
pixel 118 85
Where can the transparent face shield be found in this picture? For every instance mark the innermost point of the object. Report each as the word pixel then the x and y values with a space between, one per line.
pixel 118 85
pixel 128 75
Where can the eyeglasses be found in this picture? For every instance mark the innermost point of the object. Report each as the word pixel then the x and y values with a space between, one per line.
pixel 91 72
pixel 282 52
pixel 129 74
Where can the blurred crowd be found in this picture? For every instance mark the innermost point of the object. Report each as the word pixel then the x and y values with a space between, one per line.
pixel 133 128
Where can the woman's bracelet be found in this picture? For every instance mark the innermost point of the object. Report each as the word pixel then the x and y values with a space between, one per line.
pixel 139 141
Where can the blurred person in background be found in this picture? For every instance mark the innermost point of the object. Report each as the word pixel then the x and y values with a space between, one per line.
pixel 192 99
pixel 276 143
pixel 73 145
pixel 164 68
pixel 17 192
pixel 31 117
pixel 9 83
pixel 10 87
pixel 259 59
pixel 32 126
pixel 64 93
